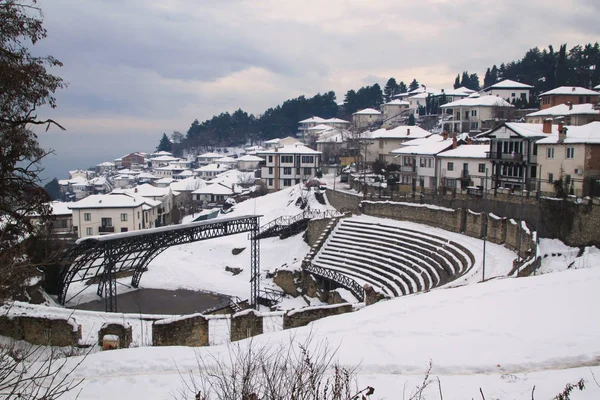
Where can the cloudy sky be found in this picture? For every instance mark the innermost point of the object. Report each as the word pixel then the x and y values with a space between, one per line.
pixel 137 68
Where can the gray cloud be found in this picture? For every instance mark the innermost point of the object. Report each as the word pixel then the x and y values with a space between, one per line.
pixel 142 67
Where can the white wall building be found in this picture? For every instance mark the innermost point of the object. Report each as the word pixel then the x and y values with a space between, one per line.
pixel 112 213
pixel 465 166
pixel 476 113
pixel 366 118
pixel 509 90
pixel 289 165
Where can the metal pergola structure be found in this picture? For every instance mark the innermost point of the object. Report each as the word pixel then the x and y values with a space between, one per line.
pixel 102 258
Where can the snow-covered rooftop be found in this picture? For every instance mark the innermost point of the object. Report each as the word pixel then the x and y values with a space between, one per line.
pixel 397 102
pixel 400 132
pixel 479 101
pixel 225 159
pixel 297 148
pixel 336 121
pixel 188 184
pixel 320 127
pixel 467 151
pixel 508 84
pixel 429 148
pixel 571 90
pixel 249 157
pixel 214 188
pixel 367 111
pixel 210 155
pixel 146 190
pixel 312 120
pixel 60 208
pixel 106 164
pixel 528 130
pixel 112 200
pixel 212 168
pixel 165 159
pixel 160 153
pixel 564 109
pixel 589 133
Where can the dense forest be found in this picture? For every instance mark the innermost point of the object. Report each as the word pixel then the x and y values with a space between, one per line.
pixel 543 69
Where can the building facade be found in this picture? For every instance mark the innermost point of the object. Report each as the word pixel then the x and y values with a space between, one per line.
pixel 289 165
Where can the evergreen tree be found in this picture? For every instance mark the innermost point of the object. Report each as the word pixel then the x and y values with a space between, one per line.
pixel 413 85
pixel 391 88
pixel 53 189
pixel 411 120
pixel 165 144
pixel 494 75
pixel 474 82
pixel 402 87
pixel 457 82
pixel 487 78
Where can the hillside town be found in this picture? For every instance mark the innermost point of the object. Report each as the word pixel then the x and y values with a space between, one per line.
pixel 480 142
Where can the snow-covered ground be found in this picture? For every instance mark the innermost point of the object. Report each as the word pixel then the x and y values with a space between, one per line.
pixel 503 336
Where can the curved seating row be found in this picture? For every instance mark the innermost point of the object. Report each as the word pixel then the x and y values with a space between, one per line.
pixel 397 260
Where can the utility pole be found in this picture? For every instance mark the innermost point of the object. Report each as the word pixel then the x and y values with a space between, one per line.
pixel 537 216
pixel 485 222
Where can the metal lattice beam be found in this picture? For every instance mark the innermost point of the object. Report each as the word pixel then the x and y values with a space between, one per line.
pixel 101 258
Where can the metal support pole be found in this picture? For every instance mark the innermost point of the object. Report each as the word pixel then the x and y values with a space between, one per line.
pixel 485 222
pixel 537 217
pixel 110 282
pixel 254 264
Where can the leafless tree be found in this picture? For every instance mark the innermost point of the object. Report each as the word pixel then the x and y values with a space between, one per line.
pixel 293 370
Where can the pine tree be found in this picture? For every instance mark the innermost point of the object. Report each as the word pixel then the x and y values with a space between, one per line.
pixel 402 87
pixel 411 120
pixel 53 189
pixel 474 82
pixel 413 85
pixel 457 82
pixel 391 88
pixel 165 144
pixel 487 78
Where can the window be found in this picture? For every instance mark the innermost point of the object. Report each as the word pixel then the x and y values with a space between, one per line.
pixel 123 217
pixel 568 179
pixel 473 113
pixel 307 171
pixel 512 95
pixel 87 217
pixel 481 168
pixel 408 160
pixel 138 215
pixel 570 152
pixel 89 231
pixel 297 171
pixel 106 221
pixel 308 159
pixel 123 229
pixel 535 149
pixel 450 166
pixel 297 181
pixel 551 178
pixel 287 182
pixel 270 170
pixel 287 159
pixel 270 159
pixel 270 181
pixel 534 171
pixel 287 170
pixel 550 152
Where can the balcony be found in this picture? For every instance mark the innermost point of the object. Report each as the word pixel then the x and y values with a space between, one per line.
pixel 504 156
pixel 409 168
pixel 465 175
pixel 106 229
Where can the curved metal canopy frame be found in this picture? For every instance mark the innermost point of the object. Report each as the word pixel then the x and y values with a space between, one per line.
pixel 100 259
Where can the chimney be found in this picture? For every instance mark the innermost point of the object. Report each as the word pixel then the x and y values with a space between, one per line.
pixel 135 190
pixel 454 142
pixel 570 105
pixel 572 89
pixel 561 125
pixel 408 132
pixel 444 135
pixel 469 140
pixel 562 133
pixel 547 128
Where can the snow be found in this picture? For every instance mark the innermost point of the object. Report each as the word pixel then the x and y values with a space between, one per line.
pixel 400 132
pixel 430 147
pixel 114 200
pixel 250 158
pixel 563 109
pixel 480 101
pixel 570 90
pixel 588 133
pixel 509 84
pixel 397 102
pixel 429 206
pixel 529 130
pixel 467 151
pixel 297 148
pixel 476 336
pixel 367 111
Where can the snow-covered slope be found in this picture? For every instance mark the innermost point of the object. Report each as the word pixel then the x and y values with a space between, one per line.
pixel 504 336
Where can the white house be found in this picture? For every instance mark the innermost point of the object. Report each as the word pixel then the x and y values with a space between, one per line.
pixel 105 167
pixel 476 113
pixel 164 195
pixel 102 214
pixel 572 114
pixel 394 112
pixel 465 166
pixel 383 141
pixel 213 194
pixel 207 158
pixel 571 156
pixel 162 161
pixel 249 162
pixel 277 142
pixel 366 118
pixel 419 167
pixel 208 172
pixel 288 165
pixel 509 90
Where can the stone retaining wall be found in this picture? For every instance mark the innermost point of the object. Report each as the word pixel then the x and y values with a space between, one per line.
pixel 304 316
pixel 315 229
pixel 519 239
pixel 439 217
pixel 41 330
pixel 191 330
pixel 246 324
pixel 344 201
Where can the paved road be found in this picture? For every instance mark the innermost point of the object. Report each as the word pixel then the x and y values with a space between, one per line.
pixel 159 301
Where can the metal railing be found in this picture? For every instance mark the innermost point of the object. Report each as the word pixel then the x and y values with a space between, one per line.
pixel 504 156
pixel 339 278
pixel 287 220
